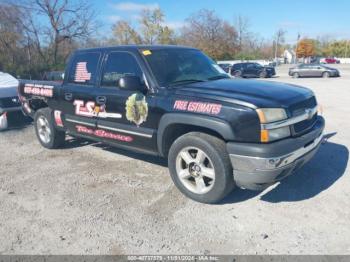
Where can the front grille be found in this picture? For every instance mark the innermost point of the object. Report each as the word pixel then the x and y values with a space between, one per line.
pixel 305 125
pixel 298 109
pixel 8 102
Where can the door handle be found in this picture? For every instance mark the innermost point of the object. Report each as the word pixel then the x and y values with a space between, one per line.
pixel 68 96
pixel 101 100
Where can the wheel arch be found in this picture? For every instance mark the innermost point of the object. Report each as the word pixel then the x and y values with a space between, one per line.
pixel 173 125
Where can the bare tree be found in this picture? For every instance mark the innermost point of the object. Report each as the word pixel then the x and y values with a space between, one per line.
pixel 58 21
pixel 206 31
pixel 242 25
pixel 279 38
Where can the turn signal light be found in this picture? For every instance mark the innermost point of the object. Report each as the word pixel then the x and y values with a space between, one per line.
pixel 264 135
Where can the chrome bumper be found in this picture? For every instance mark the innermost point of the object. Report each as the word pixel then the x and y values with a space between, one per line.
pixel 253 164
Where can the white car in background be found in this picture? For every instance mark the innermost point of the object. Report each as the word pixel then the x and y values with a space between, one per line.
pixel 9 101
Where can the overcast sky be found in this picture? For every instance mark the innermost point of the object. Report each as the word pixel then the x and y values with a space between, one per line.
pixel 311 18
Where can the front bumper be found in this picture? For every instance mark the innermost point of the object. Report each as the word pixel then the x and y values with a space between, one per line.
pixel 335 74
pixel 257 166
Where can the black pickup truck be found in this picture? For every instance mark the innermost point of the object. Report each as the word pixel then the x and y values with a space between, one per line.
pixel 175 102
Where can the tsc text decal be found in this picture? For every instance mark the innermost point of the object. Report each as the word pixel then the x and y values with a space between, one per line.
pixel 90 109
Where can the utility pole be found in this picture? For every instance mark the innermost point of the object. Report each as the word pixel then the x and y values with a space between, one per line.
pixel 276 46
pixel 280 34
pixel 296 49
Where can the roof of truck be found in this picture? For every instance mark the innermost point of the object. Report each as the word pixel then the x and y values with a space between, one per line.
pixel 136 47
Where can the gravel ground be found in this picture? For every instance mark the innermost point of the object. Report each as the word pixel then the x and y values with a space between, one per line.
pixel 91 199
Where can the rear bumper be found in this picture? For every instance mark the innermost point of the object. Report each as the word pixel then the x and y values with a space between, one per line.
pixel 257 166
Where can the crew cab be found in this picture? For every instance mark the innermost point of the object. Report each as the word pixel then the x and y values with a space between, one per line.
pixel 175 102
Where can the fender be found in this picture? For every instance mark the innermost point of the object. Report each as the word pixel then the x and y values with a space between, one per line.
pixel 220 126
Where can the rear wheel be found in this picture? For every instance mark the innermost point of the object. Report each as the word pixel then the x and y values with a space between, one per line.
pixel 296 75
pixel 325 75
pixel 48 136
pixel 200 167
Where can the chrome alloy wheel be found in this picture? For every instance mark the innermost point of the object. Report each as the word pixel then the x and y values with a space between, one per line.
pixel 195 170
pixel 44 130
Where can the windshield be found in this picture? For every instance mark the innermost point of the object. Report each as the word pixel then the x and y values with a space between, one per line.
pixel 178 66
pixel 258 65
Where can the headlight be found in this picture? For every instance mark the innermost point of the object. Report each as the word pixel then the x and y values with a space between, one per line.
pixel 269 115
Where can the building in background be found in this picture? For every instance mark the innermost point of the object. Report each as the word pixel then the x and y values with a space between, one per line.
pixel 289 56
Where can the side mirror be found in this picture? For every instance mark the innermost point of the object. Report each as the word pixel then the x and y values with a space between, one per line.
pixel 131 82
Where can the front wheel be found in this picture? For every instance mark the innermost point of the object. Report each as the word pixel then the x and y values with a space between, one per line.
pixel 237 74
pixel 48 136
pixel 200 167
pixel 325 75
pixel 295 75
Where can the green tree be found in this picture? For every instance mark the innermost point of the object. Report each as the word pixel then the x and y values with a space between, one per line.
pixel 124 34
pixel 151 25
pixel 166 36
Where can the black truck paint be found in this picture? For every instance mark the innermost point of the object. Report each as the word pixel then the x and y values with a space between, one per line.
pixel 114 95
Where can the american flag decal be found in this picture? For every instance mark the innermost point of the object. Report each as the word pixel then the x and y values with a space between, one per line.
pixel 81 73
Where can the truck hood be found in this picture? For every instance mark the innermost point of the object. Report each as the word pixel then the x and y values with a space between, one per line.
pixel 8 91
pixel 252 93
pixel 8 85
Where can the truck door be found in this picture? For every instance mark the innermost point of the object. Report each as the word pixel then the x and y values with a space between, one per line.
pixel 250 70
pixel 78 103
pixel 126 117
pixel 303 70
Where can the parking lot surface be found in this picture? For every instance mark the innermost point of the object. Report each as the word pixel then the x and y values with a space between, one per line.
pixel 91 199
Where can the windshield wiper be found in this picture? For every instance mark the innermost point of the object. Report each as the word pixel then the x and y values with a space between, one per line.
pixel 184 81
pixel 218 77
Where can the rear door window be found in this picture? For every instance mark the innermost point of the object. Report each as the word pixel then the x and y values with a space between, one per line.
pixel 119 64
pixel 83 69
pixel 236 67
pixel 250 66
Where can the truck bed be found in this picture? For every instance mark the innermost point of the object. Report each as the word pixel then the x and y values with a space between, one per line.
pixel 37 89
pixel 36 94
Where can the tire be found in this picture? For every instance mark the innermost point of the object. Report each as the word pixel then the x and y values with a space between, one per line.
pixel 325 74
pixel 237 74
pixel 48 136
pixel 295 75
pixel 263 74
pixel 208 186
